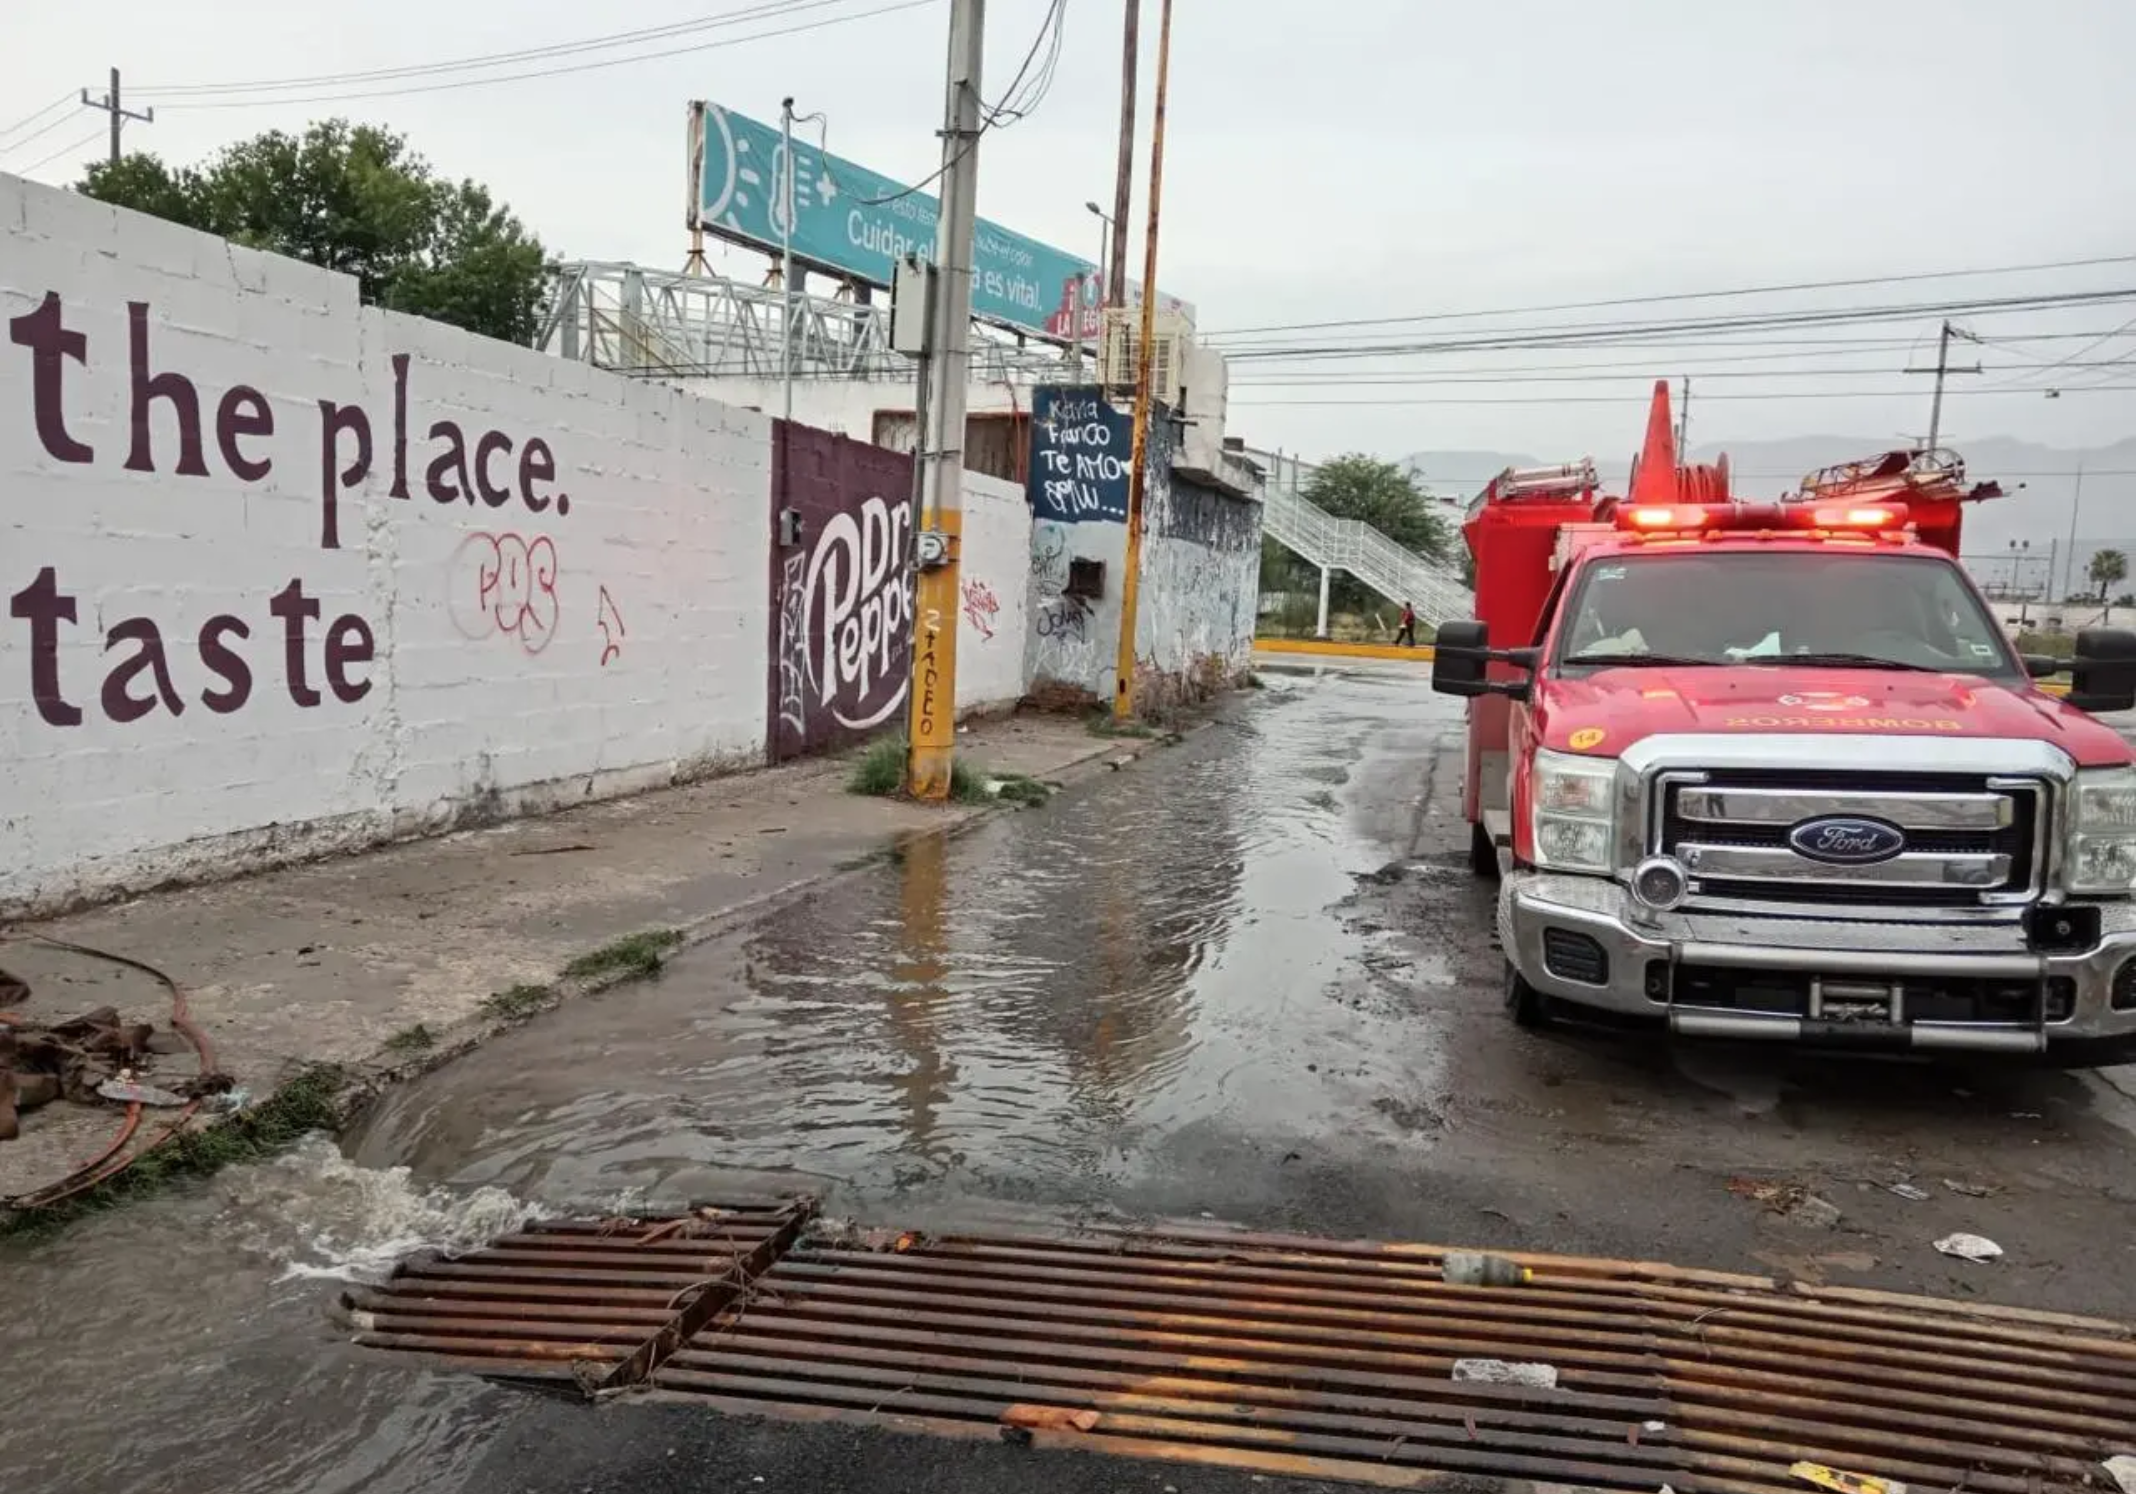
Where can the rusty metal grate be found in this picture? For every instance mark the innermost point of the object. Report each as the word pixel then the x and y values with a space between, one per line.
pixel 1285 1354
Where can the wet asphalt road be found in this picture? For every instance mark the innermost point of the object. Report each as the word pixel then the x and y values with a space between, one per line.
pixel 1250 978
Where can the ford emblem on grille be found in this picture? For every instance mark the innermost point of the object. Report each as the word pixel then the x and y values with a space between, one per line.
pixel 1845 841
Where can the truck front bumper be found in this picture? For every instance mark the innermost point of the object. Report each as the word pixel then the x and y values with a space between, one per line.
pixel 1552 925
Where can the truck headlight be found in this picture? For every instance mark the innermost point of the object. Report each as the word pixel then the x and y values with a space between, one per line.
pixel 2100 854
pixel 1574 812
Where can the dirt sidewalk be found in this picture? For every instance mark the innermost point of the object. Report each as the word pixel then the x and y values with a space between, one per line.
pixel 391 960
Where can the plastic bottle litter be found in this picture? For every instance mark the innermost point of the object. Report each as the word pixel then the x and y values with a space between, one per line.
pixel 1976 1248
pixel 1474 1268
pixel 1500 1372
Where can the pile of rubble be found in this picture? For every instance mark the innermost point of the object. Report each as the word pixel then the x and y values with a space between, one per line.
pixel 94 1059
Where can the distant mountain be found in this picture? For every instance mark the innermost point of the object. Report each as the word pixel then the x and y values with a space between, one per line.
pixel 2009 541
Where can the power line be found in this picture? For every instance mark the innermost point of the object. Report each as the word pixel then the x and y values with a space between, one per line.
pixel 1578 334
pixel 606 41
pixel 37 133
pixel 990 115
pixel 55 155
pixel 1654 300
pixel 1645 373
pixel 552 72
pixel 32 117
pixel 1618 399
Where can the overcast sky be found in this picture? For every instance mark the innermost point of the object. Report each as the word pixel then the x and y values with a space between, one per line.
pixel 1347 159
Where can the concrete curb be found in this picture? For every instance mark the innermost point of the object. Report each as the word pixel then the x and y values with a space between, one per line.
pixel 1317 648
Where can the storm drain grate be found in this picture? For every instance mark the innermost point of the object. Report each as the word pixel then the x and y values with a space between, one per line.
pixel 1290 1355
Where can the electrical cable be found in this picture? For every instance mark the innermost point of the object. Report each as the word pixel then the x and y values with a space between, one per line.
pixel 34 135
pixel 1585 374
pixel 1055 17
pixel 1579 334
pixel 552 72
pixel 114 1159
pixel 1750 290
pixel 1641 398
pixel 606 41
pixel 34 116
pixel 55 155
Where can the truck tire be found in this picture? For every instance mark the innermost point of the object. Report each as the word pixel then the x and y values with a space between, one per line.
pixel 1528 1007
pixel 1483 854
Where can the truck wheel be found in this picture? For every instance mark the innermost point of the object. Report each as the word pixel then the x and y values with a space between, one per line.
pixel 1483 853
pixel 1527 1006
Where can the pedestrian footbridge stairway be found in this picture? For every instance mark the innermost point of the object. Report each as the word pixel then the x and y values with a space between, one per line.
pixel 1280 1354
pixel 1313 534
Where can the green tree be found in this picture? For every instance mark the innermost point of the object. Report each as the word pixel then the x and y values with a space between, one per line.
pixel 2106 568
pixel 1384 495
pixel 354 198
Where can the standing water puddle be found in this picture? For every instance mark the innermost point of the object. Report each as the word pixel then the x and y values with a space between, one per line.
pixel 1105 1002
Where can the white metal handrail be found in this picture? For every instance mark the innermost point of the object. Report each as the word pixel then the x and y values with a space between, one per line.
pixel 1393 570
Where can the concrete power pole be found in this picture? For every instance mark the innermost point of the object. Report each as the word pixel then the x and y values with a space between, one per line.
pixel 932 704
pixel 1145 352
pixel 1942 370
pixel 119 113
pixel 1124 173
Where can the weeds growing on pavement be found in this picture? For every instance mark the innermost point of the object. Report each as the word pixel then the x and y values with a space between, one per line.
pixel 1102 724
pixel 632 955
pixel 307 1103
pixel 880 773
pixel 514 1002
pixel 1019 788
pixel 411 1040
pixel 881 769
pixel 967 784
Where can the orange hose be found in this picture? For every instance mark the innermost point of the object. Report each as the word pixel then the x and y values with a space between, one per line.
pixel 109 1164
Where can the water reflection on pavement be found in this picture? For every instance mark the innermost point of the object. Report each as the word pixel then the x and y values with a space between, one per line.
pixel 1029 1012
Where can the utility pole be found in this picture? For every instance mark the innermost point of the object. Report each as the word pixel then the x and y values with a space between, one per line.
pixel 1124 174
pixel 786 258
pixel 1942 370
pixel 119 113
pixel 932 695
pixel 2076 506
pixel 1683 425
pixel 1145 352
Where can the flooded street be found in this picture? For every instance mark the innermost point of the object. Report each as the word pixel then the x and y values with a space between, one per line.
pixel 1248 978
pixel 1066 1006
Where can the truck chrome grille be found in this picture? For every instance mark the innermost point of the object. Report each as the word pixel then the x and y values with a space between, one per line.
pixel 1924 840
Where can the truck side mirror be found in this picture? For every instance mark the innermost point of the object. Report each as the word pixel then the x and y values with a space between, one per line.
pixel 1461 659
pixel 2103 673
pixel 2043 666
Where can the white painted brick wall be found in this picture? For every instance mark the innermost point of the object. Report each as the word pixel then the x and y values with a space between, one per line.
pixel 640 657
pixel 994 574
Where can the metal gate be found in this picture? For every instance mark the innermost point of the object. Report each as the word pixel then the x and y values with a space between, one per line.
pixel 1283 1354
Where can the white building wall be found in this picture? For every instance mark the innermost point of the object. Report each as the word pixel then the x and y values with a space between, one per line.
pixel 565 635
pixel 994 576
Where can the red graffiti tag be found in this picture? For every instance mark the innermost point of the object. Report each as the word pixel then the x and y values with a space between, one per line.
pixel 981 607
pixel 610 622
pixel 506 583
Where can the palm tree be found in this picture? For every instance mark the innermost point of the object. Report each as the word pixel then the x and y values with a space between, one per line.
pixel 2106 568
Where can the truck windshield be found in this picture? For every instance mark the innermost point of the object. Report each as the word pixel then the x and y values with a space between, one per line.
pixel 1782 606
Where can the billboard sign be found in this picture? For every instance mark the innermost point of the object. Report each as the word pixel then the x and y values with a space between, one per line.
pixel 853 222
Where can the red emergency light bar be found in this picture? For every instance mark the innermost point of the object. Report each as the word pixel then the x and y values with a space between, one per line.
pixel 1679 518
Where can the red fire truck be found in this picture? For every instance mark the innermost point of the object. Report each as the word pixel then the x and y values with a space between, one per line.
pixel 1773 770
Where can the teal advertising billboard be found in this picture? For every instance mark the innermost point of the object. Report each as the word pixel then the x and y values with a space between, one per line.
pixel 851 221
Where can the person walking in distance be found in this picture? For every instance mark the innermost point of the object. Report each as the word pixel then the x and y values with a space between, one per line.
pixel 1406 635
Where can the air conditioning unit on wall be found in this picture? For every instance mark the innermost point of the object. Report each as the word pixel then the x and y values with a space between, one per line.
pixel 1119 348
